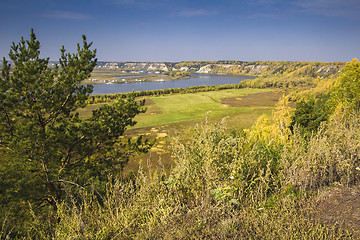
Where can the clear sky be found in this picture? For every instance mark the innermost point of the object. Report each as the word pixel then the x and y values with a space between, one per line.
pixel 180 30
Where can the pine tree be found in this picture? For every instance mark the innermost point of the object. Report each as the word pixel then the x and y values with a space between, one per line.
pixel 45 147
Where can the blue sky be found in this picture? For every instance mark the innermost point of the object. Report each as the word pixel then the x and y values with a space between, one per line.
pixel 180 30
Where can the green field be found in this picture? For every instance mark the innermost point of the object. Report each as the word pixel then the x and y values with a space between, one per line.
pixel 172 115
pixel 187 107
pixel 245 104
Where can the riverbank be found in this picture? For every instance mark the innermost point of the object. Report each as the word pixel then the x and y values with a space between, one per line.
pixel 101 76
pixel 195 81
pixel 119 77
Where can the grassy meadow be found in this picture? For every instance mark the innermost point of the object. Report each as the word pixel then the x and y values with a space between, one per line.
pixel 241 106
pixel 174 115
pixel 187 107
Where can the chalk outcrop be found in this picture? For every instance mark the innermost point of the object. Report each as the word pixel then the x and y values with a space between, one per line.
pixel 205 69
pixel 147 66
pixel 256 69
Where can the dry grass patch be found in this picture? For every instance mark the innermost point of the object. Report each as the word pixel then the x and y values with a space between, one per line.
pixel 266 99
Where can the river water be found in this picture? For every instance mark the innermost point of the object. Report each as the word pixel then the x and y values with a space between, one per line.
pixel 196 79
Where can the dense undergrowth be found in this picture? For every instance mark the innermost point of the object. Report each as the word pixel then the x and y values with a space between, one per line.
pixel 237 186
pixel 246 185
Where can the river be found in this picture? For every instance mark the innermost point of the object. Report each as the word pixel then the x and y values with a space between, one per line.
pixel 196 79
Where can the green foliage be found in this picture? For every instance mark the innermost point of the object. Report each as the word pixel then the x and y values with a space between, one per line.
pixel 347 88
pixel 178 74
pixel 278 82
pixel 310 113
pixel 111 97
pixel 48 150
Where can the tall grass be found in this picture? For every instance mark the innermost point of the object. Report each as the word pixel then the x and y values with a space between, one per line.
pixel 330 156
pixel 222 186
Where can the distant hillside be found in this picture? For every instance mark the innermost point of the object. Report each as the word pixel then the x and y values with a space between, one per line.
pixel 256 68
pixel 144 66
pixel 262 68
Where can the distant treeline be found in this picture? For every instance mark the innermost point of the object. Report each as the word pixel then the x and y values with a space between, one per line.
pixel 261 82
pixel 159 92
pixel 178 74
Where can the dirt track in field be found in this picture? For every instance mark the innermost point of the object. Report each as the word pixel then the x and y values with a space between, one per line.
pixel 340 207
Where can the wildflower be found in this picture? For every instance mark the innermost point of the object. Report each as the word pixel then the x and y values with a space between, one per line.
pixel 231 177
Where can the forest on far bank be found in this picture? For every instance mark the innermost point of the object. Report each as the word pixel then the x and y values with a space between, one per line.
pixel 61 176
